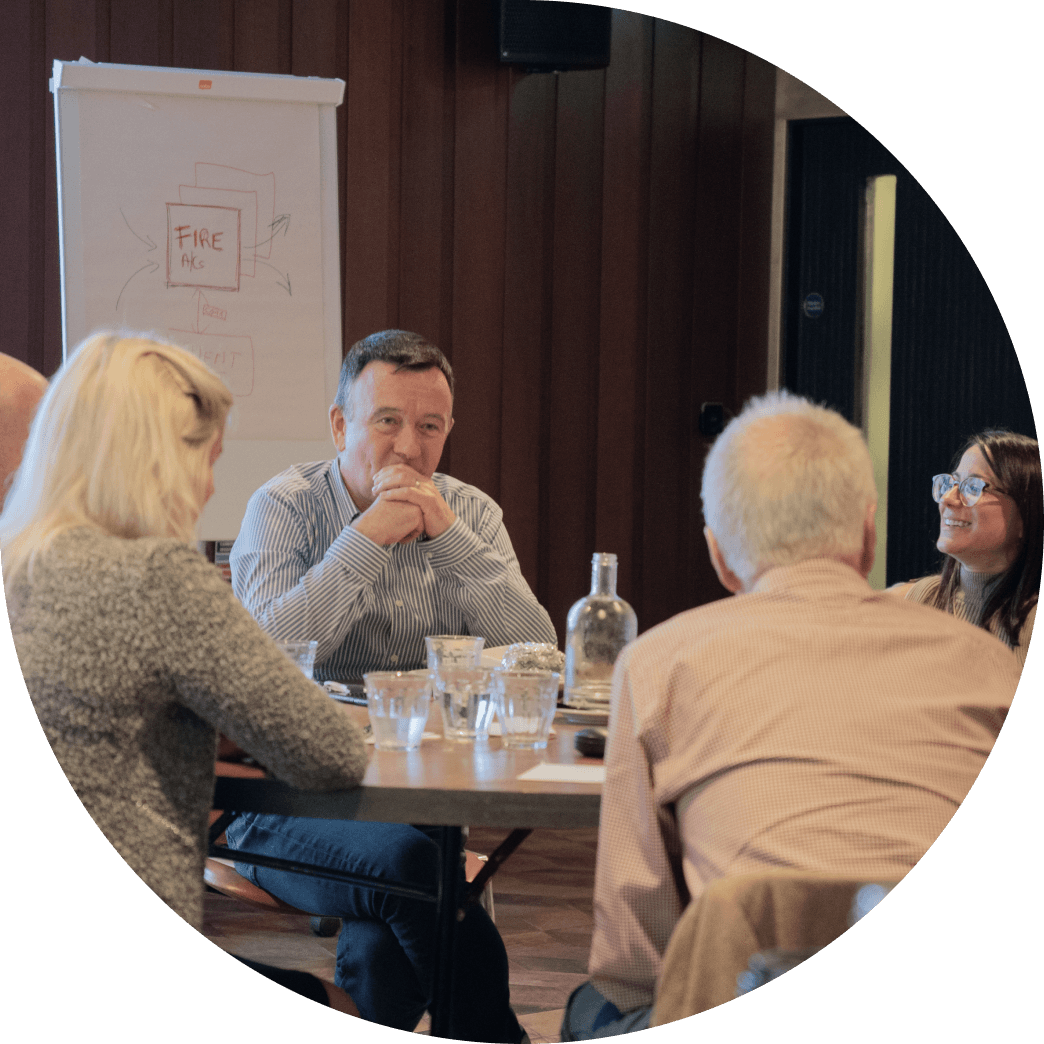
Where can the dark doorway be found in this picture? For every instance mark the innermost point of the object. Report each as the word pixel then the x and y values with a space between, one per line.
pixel 954 368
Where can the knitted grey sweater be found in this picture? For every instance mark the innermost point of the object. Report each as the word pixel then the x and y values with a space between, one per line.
pixel 136 653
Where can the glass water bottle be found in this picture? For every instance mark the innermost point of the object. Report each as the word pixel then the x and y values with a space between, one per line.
pixel 597 628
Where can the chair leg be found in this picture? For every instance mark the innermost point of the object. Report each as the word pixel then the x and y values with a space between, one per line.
pixel 485 898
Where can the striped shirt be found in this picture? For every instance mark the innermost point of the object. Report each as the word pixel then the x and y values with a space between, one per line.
pixel 812 724
pixel 304 573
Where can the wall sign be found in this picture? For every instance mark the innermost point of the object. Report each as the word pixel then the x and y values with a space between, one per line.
pixel 813 305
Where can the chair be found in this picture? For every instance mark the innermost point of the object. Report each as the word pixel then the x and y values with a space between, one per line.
pixel 221 875
pixel 748 929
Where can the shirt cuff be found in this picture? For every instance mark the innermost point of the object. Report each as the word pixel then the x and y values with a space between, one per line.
pixel 452 548
pixel 359 555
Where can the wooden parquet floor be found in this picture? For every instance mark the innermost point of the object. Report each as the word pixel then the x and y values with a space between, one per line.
pixel 542 899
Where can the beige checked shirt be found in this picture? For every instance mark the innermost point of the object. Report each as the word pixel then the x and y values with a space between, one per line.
pixel 812 724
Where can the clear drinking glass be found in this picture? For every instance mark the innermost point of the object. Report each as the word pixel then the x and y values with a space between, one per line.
pixel 302 653
pixel 525 704
pixel 453 650
pixel 464 696
pixel 466 714
pixel 398 703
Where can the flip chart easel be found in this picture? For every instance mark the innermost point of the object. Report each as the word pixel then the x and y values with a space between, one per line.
pixel 201 207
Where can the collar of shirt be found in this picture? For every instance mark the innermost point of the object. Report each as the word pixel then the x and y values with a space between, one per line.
pixel 813 575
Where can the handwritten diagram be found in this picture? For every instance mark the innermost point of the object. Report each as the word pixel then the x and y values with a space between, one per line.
pixel 203 246
pixel 253 195
pixel 231 356
pixel 209 219
pixel 219 232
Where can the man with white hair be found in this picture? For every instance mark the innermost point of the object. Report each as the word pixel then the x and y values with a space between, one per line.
pixel 809 723
pixel 21 389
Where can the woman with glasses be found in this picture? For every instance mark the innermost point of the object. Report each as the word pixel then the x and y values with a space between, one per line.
pixel 990 532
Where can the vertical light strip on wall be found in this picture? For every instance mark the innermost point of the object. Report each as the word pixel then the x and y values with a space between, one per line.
pixel 879 240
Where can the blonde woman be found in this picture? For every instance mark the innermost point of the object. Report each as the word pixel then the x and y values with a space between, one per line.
pixel 134 649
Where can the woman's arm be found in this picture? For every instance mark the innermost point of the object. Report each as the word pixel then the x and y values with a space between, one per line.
pixel 231 674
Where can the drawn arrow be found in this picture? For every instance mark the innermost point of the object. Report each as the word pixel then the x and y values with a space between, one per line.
pixel 151 267
pixel 147 240
pixel 285 275
pixel 281 224
pixel 200 302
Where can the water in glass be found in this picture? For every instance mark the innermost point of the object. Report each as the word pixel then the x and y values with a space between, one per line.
pixel 398 703
pixel 302 653
pixel 597 628
pixel 525 704
pixel 464 696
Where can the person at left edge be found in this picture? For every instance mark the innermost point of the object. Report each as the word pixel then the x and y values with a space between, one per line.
pixel 21 389
pixel 134 651
pixel 367 554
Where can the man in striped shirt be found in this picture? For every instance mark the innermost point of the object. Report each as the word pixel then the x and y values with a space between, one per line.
pixel 370 552
pixel 367 554
pixel 809 723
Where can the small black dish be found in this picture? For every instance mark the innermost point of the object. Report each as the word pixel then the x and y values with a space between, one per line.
pixel 591 741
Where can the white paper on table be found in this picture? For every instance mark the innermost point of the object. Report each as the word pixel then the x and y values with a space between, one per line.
pixel 491 658
pixel 546 772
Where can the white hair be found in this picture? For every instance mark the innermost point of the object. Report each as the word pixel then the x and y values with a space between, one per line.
pixel 121 441
pixel 786 481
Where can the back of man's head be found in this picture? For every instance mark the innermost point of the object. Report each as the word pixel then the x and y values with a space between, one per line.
pixel 400 348
pixel 21 389
pixel 787 481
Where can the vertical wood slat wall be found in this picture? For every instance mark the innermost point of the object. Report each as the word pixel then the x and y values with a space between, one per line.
pixel 591 248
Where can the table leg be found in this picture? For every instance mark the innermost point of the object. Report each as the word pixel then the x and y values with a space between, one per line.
pixel 451 846
pixel 494 862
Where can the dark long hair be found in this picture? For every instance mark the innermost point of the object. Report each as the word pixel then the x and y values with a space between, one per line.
pixel 1015 460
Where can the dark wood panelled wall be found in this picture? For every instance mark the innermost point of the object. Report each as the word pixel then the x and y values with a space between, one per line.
pixel 591 249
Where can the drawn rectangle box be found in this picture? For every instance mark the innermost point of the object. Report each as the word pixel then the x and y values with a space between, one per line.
pixel 246 203
pixel 230 356
pixel 203 246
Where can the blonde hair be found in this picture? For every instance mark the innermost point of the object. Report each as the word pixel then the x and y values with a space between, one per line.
pixel 784 482
pixel 121 441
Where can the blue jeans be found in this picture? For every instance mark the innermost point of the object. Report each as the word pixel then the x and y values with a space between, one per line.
pixel 385 952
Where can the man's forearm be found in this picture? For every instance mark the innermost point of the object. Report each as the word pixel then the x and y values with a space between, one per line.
pixel 322 602
pixel 486 586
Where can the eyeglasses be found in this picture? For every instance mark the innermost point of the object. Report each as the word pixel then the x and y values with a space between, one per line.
pixel 971 489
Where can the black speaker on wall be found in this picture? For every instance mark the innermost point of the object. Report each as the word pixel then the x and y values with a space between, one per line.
pixel 548 36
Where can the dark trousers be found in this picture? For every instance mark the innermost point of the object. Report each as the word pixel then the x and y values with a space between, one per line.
pixel 385 952
pixel 296 981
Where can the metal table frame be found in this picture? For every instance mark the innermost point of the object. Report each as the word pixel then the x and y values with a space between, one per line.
pixel 505 803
